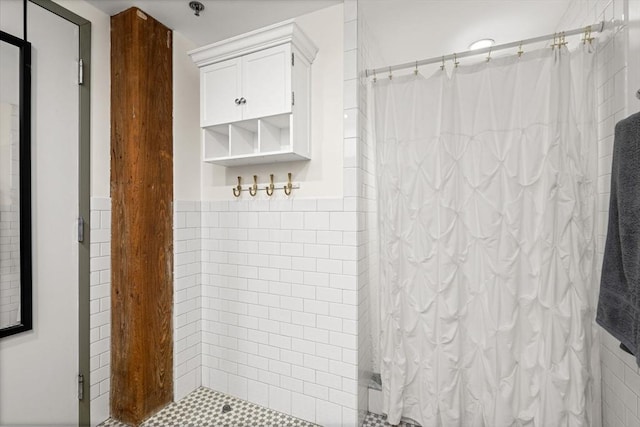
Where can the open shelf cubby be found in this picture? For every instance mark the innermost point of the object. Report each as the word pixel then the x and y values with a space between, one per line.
pixel 215 141
pixel 275 133
pixel 263 140
pixel 243 138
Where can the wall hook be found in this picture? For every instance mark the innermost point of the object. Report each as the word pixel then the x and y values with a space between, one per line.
pixel 238 189
pixel 270 187
pixel 288 187
pixel 253 190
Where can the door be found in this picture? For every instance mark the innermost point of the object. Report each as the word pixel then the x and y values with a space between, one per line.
pixel 38 369
pixel 266 82
pixel 221 93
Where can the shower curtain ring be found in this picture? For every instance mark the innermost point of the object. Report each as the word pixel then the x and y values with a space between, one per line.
pixel 520 51
pixel 563 41
pixel 416 70
pixel 587 35
pixel 489 55
pixel 390 75
pixel 442 66
pixel 455 60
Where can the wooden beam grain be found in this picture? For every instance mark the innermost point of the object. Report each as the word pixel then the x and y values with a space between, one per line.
pixel 142 217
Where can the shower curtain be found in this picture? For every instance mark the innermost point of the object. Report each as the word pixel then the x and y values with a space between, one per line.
pixel 486 204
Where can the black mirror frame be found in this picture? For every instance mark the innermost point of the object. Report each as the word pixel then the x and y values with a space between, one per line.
pixel 26 294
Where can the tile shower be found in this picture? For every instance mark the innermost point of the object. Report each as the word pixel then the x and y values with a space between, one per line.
pixel 276 310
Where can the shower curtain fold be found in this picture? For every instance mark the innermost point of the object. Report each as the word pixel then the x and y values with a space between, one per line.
pixel 486 205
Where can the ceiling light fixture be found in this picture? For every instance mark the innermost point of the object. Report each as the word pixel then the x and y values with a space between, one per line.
pixel 481 44
pixel 197 7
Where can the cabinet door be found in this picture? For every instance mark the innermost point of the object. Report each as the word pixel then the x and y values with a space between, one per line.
pixel 266 82
pixel 220 87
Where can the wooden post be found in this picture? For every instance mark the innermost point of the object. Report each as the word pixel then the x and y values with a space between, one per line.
pixel 142 218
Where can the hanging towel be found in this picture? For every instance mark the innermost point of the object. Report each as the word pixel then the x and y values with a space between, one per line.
pixel 619 303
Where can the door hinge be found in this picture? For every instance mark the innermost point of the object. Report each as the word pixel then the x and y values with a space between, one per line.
pixel 81 72
pixel 293 59
pixel 80 229
pixel 80 387
pixel 293 98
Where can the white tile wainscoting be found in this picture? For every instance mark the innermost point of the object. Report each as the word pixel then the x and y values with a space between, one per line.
pixel 100 309
pixel 279 305
pixel 187 301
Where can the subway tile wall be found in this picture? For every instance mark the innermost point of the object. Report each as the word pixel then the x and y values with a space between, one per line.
pixel 187 290
pixel 620 374
pixel 367 219
pixel 187 303
pixel 100 309
pixel 9 265
pixel 279 305
pixel 10 226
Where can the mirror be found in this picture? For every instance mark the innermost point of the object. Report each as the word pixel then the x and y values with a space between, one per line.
pixel 15 185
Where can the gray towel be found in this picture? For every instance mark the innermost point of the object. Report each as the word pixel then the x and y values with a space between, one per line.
pixel 619 303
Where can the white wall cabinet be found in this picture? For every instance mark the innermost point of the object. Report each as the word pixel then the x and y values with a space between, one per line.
pixel 255 96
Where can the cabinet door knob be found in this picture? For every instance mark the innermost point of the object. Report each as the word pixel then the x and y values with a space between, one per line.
pixel 237 101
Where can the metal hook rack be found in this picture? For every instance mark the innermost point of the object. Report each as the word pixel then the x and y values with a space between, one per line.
pixel 269 188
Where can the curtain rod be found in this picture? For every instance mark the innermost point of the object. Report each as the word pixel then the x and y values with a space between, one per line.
pixel 595 28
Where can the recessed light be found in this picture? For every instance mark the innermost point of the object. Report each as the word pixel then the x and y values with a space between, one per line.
pixel 481 44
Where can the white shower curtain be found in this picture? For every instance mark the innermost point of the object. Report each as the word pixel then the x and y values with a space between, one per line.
pixel 486 194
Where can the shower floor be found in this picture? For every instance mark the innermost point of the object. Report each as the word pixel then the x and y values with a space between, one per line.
pixel 203 408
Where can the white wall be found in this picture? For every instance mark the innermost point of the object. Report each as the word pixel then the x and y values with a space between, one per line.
pixel 186 180
pixel 187 167
pixel 11 18
pixel 618 78
pixel 280 277
pixel 186 122
pixel 322 175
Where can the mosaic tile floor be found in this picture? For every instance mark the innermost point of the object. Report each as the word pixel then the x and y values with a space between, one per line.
pixel 204 408
pixel 375 420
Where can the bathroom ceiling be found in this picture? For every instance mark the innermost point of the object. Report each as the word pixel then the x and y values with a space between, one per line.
pixel 401 28
pixel 220 19
pixel 440 27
